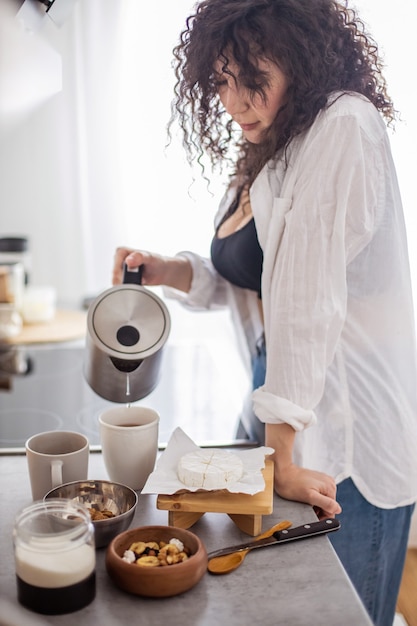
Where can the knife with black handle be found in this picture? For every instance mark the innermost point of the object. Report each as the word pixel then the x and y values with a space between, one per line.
pixel 283 536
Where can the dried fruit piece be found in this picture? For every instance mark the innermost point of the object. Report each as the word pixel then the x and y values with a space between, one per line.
pixel 100 515
pixel 138 547
pixel 129 556
pixel 148 561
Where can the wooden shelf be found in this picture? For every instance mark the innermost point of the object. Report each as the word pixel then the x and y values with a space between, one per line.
pixel 65 326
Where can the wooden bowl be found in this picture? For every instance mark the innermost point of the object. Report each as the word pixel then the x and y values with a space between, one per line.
pixel 160 581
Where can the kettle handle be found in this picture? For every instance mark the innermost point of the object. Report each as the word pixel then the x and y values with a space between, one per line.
pixel 132 276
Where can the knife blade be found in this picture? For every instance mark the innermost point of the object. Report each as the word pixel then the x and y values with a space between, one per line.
pixel 283 536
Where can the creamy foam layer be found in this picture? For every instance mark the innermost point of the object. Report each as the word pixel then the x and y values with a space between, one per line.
pixel 55 569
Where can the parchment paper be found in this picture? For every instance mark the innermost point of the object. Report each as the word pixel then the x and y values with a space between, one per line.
pixel 164 479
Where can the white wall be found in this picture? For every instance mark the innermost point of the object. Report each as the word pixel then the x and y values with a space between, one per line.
pixel 393 28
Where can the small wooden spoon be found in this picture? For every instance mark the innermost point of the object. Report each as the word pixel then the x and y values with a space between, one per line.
pixel 229 562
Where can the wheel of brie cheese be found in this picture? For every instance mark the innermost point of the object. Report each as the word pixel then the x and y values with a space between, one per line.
pixel 210 469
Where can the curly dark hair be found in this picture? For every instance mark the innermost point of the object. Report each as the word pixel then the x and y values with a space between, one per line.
pixel 320 45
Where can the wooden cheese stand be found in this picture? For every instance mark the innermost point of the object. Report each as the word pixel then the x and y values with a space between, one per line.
pixel 186 508
pixel 67 325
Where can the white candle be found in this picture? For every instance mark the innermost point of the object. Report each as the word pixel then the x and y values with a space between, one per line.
pixel 38 304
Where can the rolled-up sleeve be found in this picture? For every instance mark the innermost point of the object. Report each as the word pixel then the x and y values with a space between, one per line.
pixel 272 409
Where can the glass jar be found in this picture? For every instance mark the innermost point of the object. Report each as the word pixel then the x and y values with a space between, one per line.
pixel 11 284
pixel 16 250
pixel 55 556
pixel 11 299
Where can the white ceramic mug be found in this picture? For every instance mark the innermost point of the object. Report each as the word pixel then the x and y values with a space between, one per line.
pixel 56 457
pixel 129 442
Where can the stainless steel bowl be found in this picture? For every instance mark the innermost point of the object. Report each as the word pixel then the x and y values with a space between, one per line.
pixel 101 495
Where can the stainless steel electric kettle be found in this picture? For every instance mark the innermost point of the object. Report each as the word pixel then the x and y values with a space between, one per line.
pixel 127 327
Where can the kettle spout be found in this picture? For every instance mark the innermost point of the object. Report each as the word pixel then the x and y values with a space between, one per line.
pixel 126 366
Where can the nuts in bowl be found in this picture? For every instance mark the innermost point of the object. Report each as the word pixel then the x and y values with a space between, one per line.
pixel 156 561
pixel 112 505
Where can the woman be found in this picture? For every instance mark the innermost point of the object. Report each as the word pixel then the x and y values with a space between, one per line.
pixel 310 253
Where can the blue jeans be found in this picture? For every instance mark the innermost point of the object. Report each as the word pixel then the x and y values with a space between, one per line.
pixel 257 428
pixel 371 543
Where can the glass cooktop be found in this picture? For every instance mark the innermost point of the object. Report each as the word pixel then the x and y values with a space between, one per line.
pixel 54 395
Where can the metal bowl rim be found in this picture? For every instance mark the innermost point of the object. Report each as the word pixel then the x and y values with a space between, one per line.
pixel 109 521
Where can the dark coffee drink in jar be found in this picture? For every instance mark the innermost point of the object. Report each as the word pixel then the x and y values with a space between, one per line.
pixel 55 557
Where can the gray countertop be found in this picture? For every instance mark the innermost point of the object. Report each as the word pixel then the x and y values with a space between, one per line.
pixel 296 584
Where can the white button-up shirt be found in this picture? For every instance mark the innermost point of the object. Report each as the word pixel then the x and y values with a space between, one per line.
pixel 338 312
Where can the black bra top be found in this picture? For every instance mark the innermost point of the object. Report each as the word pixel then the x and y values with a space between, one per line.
pixel 239 257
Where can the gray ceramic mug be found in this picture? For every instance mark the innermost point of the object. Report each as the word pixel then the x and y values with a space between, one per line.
pixel 56 457
pixel 129 442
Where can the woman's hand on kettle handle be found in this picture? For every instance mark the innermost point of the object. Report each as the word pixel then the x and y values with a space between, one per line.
pixel 133 259
pixel 156 269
